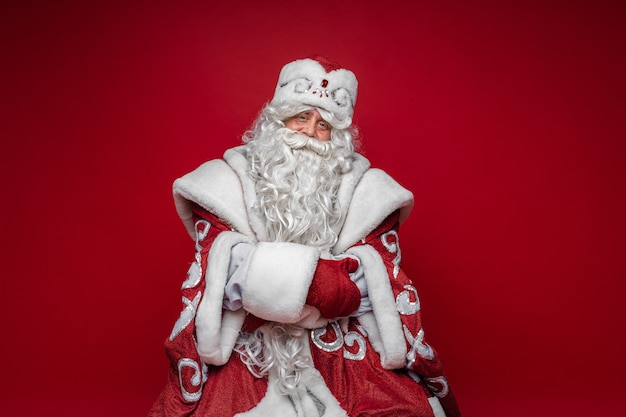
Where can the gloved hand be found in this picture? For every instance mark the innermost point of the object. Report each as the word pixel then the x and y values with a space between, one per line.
pixel 332 291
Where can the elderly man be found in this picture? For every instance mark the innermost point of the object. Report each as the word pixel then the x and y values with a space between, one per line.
pixel 296 304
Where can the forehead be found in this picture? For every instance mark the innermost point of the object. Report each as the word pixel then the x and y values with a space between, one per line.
pixel 310 113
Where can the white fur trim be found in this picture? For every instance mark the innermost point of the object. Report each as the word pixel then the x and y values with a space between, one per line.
pixel 216 188
pixel 236 158
pixel 223 187
pixel 216 332
pixel 314 398
pixel 375 197
pixel 384 326
pixel 311 318
pixel 436 406
pixel 349 182
pixel 278 280
pixel 306 81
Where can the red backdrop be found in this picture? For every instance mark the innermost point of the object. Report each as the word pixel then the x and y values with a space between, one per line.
pixel 505 119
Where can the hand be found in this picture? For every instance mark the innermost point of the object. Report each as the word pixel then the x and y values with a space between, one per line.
pixel 332 291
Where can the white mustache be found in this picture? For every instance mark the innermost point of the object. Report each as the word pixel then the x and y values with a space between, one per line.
pixel 297 140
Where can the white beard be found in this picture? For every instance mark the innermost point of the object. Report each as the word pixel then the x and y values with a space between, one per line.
pixel 296 181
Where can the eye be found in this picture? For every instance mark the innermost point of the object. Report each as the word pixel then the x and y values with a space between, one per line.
pixel 323 125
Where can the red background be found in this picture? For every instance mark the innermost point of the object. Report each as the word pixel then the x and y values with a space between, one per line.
pixel 505 119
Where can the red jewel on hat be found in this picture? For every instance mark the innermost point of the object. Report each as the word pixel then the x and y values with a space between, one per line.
pixel 324 83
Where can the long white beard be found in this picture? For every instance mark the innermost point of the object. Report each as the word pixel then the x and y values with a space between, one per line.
pixel 296 181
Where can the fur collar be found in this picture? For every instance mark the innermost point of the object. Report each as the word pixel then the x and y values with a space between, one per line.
pixel 367 196
pixel 236 158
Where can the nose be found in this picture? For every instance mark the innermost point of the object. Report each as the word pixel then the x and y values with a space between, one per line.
pixel 308 128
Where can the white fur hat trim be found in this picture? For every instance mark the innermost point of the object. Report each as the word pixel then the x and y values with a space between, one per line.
pixel 318 82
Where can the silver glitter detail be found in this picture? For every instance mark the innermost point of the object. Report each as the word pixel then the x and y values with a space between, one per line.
pixel 321 92
pixel 201 234
pixel 301 85
pixel 341 97
pixel 434 389
pixel 194 275
pixel 414 376
pixel 186 316
pixel 350 338
pixel 316 336
pixel 418 347
pixel 404 305
pixel 198 378
pixel 393 247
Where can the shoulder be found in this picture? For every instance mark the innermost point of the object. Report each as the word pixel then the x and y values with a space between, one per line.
pixel 215 187
pixel 379 189
pixel 375 197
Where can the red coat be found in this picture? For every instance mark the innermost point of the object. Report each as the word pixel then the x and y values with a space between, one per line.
pixel 377 364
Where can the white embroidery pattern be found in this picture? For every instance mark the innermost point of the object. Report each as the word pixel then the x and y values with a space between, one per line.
pixel 199 377
pixel 186 316
pixel 393 247
pixel 404 305
pixel 340 341
pixel 418 346
pixel 439 391
pixel 194 274
pixel 350 339
pixel 316 336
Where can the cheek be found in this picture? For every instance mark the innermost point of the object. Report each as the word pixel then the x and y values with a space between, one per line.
pixel 290 124
pixel 323 136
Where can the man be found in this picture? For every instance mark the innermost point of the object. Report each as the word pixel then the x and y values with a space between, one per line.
pixel 296 304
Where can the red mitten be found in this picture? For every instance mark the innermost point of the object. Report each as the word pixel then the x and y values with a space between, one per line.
pixel 332 291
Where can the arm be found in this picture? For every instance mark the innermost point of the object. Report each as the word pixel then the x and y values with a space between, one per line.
pixel 274 281
pixel 286 277
pixel 420 357
pixel 188 370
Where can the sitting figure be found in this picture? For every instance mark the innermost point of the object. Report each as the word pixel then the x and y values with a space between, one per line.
pixel 296 303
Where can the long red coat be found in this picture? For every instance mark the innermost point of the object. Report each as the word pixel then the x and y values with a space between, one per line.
pixel 377 364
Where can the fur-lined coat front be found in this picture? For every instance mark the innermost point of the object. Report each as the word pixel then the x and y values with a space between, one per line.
pixel 376 364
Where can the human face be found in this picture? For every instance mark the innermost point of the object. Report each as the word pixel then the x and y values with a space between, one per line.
pixel 310 123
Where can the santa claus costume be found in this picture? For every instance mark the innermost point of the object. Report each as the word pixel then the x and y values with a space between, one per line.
pixel 296 303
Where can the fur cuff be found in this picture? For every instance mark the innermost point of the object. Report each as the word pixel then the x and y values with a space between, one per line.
pixel 383 326
pixel 216 333
pixel 278 280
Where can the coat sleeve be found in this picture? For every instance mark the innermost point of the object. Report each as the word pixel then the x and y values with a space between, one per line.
pixel 395 324
pixel 188 363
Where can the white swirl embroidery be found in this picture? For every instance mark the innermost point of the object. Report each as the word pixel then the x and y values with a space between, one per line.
pixel 341 97
pixel 350 339
pixel 340 341
pixel 199 377
pixel 441 390
pixel 201 233
pixel 316 336
pixel 300 85
pixel 194 274
pixel 404 305
pixel 393 247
